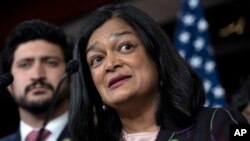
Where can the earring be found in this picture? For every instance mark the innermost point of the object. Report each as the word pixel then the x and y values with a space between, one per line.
pixel 104 107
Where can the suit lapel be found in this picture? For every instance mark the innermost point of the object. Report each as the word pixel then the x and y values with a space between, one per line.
pixel 64 136
pixel 165 135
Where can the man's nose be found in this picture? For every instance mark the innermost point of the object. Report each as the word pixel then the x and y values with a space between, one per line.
pixel 38 72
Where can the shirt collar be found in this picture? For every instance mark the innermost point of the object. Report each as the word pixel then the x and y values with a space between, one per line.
pixel 55 126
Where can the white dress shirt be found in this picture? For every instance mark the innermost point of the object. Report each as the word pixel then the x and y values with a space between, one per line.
pixel 55 127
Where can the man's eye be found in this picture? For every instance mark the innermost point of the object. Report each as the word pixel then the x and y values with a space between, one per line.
pixel 52 63
pixel 23 65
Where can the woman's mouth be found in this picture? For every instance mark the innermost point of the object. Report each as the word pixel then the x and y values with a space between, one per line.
pixel 118 81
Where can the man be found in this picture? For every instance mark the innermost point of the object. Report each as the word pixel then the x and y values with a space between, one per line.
pixel 241 100
pixel 36 53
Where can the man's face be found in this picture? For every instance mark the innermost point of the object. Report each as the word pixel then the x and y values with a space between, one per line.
pixel 37 68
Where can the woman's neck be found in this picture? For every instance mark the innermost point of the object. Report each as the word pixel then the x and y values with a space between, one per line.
pixel 140 116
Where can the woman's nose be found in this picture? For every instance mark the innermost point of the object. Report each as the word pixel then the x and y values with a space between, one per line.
pixel 112 63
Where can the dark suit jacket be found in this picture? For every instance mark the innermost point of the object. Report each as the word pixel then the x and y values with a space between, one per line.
pixel 211 124
pixel 64 136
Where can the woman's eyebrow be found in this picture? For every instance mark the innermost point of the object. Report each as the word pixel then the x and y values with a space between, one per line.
pixel 113 36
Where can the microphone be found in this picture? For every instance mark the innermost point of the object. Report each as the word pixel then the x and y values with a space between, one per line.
pixel 6 79
pixel 71 67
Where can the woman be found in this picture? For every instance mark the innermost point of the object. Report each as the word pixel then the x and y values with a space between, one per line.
pixel 133 85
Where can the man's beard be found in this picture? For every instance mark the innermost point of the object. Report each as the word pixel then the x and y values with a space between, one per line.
pixel 40 107
pixel 36 108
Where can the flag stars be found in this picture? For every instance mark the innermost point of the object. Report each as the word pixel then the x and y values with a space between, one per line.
pixel 218 91
pixel 217 105
pixel 184 37
pixel 196 61
pixel 202 25
pixel 209 66
pixel 207 85
pixel 193 3
pixel 207 103
pixel 192 42
pixel 188 19
pixel 199 44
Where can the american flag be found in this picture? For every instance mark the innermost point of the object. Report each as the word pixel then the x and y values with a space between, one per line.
pixel 192 41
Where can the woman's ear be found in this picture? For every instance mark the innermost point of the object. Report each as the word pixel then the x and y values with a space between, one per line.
pixel 10 89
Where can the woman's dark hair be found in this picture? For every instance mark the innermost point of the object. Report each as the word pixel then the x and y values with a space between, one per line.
pixel 32 30
pixel 182 93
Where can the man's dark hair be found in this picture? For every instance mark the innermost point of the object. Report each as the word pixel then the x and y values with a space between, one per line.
pixel 33 30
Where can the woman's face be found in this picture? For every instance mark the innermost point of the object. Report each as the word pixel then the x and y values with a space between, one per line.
pixel 121 69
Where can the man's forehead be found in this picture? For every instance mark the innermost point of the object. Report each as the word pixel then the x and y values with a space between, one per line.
pixel 38 50
pixel 44 57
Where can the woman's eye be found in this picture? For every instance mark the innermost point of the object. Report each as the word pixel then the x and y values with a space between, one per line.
pixel 96 60
pixel 126 48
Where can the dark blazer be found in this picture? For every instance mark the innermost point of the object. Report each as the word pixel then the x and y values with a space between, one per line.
pixel 64 136
pixel 212 124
